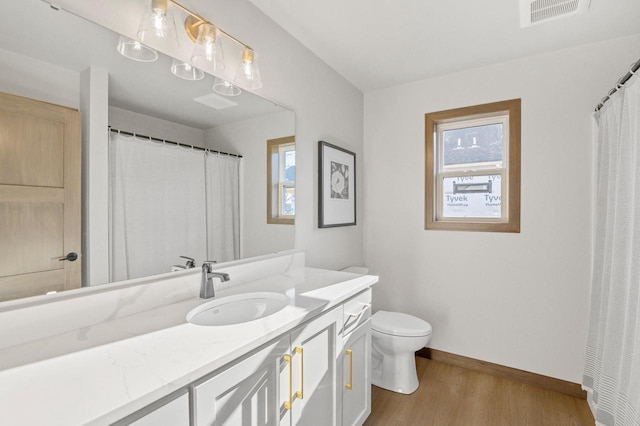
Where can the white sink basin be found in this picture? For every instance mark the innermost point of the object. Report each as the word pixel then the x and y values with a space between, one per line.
pixel 237 309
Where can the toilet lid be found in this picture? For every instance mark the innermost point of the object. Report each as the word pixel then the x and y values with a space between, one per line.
pixel 399 324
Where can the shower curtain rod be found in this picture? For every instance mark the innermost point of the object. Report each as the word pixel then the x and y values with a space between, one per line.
pixel 633 69
pixel 197 148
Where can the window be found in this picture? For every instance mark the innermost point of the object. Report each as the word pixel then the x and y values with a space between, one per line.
pixel 281 180
pixel 473 168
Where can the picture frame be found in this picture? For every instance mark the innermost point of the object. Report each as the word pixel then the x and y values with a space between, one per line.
pixel 336 186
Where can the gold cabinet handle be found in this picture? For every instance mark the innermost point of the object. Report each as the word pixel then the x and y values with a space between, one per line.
pixel 287 404
pixel 300 393
pixel 349 385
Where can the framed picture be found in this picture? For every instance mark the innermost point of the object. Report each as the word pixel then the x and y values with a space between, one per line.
pixel 336 186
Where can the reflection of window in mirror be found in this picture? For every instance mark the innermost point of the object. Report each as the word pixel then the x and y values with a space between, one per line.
pixel 281 180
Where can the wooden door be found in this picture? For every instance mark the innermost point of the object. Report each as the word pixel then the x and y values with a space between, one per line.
pixel 40 199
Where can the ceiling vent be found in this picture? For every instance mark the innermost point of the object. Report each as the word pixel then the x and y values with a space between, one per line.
pixel 215 101
pixel 537 11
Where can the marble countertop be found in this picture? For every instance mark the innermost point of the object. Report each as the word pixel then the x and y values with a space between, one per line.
pixel 100 373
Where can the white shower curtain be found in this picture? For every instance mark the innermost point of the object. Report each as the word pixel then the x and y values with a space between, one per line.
pixel 159 205
pixel 223 207
pixel 612 367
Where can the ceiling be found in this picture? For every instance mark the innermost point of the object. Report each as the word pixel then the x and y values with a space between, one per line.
pixel 377 44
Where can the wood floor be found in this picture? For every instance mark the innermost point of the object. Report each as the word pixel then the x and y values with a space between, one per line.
pixel 452 396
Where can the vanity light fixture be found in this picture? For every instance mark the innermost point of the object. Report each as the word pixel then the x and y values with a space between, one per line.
pixel 248 75
pixel 224 88
pixel 207 43
pixel 157 22
pixel 186 71
pixel 135 50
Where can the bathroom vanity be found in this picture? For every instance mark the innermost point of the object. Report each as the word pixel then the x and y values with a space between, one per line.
pixel 128 355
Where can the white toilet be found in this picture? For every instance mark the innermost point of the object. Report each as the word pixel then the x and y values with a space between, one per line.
pixel 396 337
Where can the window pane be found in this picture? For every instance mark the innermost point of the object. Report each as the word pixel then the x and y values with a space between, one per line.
pixel 288 200
pixel 290 165
pixel 472 196
pixel 478 145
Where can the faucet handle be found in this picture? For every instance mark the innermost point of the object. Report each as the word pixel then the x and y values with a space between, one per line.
pixel 191 262
pixel 207 265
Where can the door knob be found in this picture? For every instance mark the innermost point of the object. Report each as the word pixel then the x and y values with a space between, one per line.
pixel 70 257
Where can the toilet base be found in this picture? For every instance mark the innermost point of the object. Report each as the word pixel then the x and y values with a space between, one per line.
pixel 397 373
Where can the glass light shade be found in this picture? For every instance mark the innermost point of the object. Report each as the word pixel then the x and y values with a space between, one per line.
pixel 186 71
pixel 157 23
pixel 135 50
pixel 208 47
pixel 248 74
pixel 224 88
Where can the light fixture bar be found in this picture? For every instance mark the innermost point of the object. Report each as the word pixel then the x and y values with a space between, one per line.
pixel 200 20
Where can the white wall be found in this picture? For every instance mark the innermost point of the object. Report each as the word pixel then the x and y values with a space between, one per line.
pixel 94 102
pixel 28 77
pixel 327 107
pixel 519 300
pixel 249 138
pixel 134 122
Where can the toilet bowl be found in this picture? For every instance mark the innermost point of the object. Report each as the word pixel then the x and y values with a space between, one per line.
pixel 395 338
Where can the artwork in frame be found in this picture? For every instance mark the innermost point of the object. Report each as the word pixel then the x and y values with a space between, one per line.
pixel 336 186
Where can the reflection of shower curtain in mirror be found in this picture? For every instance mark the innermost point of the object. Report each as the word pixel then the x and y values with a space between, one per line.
pixel 223 200
pixel 161 206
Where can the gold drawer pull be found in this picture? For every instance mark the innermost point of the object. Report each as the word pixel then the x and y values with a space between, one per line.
pixel 300 393
pixel 287 404
pixel 349 385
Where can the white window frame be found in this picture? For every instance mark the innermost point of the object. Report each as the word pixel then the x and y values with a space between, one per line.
pixel 476 169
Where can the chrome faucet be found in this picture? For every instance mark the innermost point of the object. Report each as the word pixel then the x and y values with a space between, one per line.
pixel 207 290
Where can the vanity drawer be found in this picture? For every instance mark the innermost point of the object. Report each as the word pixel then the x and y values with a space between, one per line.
pixel 356 311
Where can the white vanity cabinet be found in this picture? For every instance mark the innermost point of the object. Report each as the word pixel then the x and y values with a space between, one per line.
pixel 356 376
pixel 244 394
pixel 174 413
pixel 289 382
pixel 356 360
pixel 314 351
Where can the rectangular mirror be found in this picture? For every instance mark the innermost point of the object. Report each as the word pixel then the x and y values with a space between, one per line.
pixel 53 63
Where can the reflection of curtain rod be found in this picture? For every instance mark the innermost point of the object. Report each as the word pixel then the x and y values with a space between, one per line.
pixel 137 135
pixel 633 69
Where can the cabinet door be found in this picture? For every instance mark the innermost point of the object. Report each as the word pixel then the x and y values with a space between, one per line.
pixel 174 413
pixel 356 376
pixel 314 352
pixel 246 393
